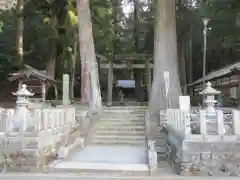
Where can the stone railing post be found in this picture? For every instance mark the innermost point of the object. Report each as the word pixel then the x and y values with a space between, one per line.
pixel 236 122
pixel 220 123
pixel 203 123
pixel 152 156
pixel 170 119
pixel 187 124
pixel 45 120
pixel 9 120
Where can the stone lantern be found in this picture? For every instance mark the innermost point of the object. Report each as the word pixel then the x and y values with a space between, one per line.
pixel 209 100
pixel 22 119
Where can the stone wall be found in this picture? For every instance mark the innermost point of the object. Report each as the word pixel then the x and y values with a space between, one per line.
pixel 200 153
pixel 33 149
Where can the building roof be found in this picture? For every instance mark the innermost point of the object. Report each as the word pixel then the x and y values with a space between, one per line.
pixel 218 73
pixel 28 71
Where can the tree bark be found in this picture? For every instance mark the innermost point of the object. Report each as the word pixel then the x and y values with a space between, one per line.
pixel 73 66
pixel 182 66
pixel 85 82
pixel 51 63
pixel 137 72
pixel 20 25
pixel 87 52
pixel 190 71
pixel 165 57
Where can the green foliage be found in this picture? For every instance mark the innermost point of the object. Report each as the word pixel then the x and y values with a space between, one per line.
pixel 114 31
pixel 222 32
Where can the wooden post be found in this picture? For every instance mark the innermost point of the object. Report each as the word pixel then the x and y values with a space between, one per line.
pixel 110 83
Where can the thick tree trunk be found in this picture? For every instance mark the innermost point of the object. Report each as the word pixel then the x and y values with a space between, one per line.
pixel 190 71
pixel 20 6
pixel 72 66
pixel 87 52
pixel 137 72
pixel 85 83
pixel 51 63
pixel 182 66
pixel 165 57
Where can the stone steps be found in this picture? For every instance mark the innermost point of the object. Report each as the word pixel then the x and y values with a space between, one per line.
pixel 119 142
pixel 135 128
pixel 126 118
pixel 108 169
pixel 122 115
pixel 122 124
pixel 120 133
pixel 125 111
pixel 126 107
pixel 120 127
pixel 119 138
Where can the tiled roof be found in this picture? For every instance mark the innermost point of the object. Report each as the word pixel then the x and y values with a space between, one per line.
pixel 28 71
pixel 215 74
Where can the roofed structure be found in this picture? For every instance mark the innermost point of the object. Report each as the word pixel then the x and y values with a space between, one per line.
pixel 221 73
pixel 29 71
pixel 35 79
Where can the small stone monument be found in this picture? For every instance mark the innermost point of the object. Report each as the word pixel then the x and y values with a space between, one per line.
pixel 184 103
pixel 209 101
pixel 22 119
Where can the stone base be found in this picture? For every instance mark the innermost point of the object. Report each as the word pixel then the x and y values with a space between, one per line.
pixel 205 158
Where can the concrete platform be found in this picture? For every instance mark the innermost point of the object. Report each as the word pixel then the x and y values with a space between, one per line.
pixel 105 159
pixel 100 166
pixel 111 154
pixel 42 176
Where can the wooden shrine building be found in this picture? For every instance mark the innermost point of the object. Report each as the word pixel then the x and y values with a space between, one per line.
pixel 226 79
pixel 36 80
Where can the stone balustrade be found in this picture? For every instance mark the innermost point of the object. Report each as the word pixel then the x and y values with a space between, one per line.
pixel 197 126
pixel 203 145
pixel 49 119
pixel 52 126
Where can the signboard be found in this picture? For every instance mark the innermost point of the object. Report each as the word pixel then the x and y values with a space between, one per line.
pixel 166 81
pixel 184 102
pixel 126 83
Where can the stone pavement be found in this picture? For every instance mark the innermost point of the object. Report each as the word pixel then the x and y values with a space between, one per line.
pixel 111 154
pixel 21 176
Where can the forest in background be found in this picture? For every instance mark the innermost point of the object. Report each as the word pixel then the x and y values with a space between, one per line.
pixel 45 35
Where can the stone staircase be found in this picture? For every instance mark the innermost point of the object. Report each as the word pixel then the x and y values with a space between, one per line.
pixel 117 146
pixel 121 126
pixel 159 134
